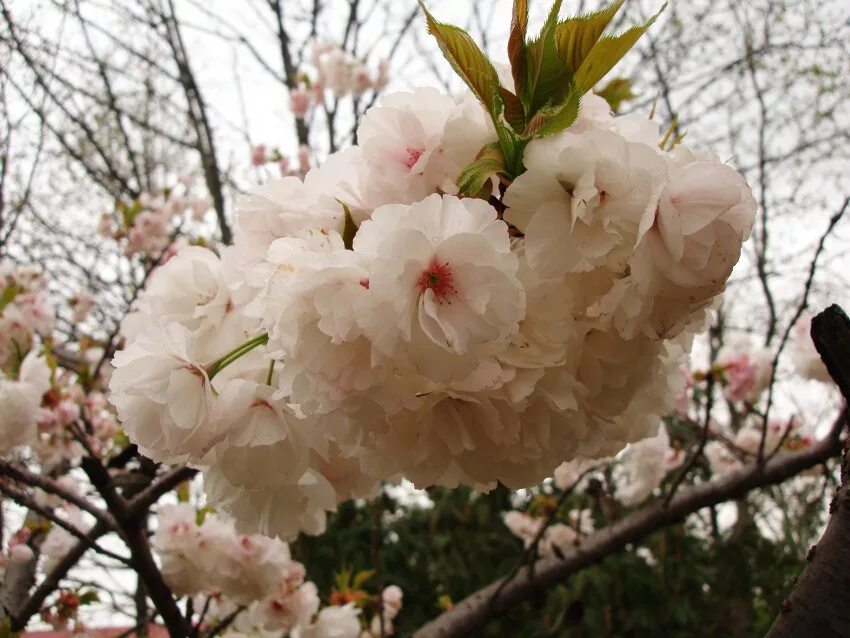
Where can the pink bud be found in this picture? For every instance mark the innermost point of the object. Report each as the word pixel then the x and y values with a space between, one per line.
pixel 299 102
pixel 283 165
pixel 362 81
pixel 20 554
pixel 67 412
pixel 104 226
pixel 304 158
pixel 258 155
pixel 383 77
pixel 319 93
pixel 200 206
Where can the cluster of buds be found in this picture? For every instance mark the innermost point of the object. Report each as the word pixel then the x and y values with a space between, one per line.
pixel 262 155
pixel 24 312
pixel 145 224
pixel 341 74
pixel 375 612
pixel 63 614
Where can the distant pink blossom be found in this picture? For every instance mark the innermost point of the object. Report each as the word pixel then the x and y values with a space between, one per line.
pixel 741 374
pixel 304 158
pixel 299 102
pixel 258 155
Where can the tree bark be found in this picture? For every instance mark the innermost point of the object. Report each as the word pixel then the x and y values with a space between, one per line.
pixel 817 606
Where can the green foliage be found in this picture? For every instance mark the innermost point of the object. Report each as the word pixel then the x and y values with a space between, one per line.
pixel 88 597
pixel 349 230
pixel 475 176
pixel 576 37
pixel 682 582
pixel 8 295
pixel 128 212
pixel 550 73
pixel 617 91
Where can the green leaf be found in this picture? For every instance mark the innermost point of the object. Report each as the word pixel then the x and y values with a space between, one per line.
pixel 547 76
pixel 343 579
pixel 607 52
pixel 349 230
pixel 554 119
pixel 512 149
pixel 8 295
pixel 201 514
pixel 516 45
pixel 129 213
pixel 575 37
pixel 89 597
pixel 468 61
pixel 361 577
pixel 183 492
pixel 616 92
pixel 474 177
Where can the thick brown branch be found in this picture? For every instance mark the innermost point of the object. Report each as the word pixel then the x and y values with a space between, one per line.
pixel 817 605
pixel 150 495
pixel 137 540
pixel 466 617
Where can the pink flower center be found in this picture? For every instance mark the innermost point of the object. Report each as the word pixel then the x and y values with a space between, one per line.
pixel 439 279
pixel 413 155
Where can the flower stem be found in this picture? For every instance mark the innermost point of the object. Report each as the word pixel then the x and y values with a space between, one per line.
pixel 218 365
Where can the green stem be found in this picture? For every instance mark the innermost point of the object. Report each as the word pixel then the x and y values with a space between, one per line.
pixel 271 371
pixel 218 365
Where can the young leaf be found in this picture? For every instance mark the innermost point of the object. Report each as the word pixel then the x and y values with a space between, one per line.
pixel 616 92
pixel 548 77
pixel 514 111
pixel 554 119
pixel 349 230
pixel 607 52
pixel 201 514
pixel 361 577
pixel 8 295
pixel 474 177
pixel 89 597
pixel 183 492
pixel 468 61
pixel 516 44
pixel 575 37
pixel 511 147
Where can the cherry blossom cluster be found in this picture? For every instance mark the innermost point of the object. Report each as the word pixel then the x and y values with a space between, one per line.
pixel 17 551
pixel 25 313
pixel 340 74
pixel 369 323
pixel 728 452
pixel 552 538
pixel 256 573
pixel 146 224
pixel 262 155
pixel 39 402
